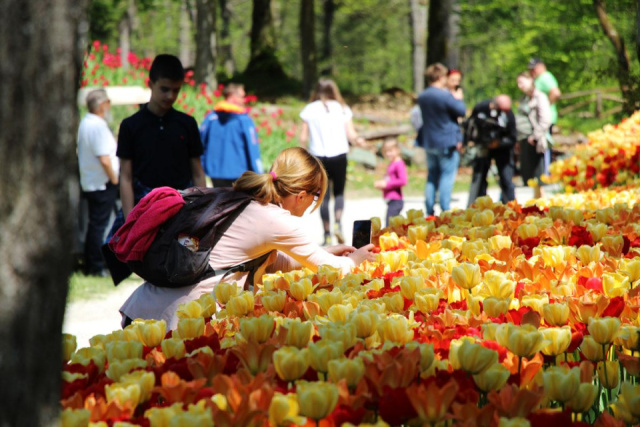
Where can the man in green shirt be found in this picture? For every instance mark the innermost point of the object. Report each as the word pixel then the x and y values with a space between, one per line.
pixel 546 83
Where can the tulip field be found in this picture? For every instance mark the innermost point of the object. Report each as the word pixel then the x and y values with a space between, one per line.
pixel 497 315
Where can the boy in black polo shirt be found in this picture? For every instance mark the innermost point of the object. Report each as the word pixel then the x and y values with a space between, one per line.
pixel 159 146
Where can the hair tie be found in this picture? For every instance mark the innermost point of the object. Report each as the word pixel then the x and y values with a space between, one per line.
pixel 273 175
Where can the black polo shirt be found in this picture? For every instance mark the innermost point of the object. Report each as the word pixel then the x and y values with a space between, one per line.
pixel 160 148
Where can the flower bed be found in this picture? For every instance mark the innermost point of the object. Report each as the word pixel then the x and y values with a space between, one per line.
pixel 495 314
pixel 610 157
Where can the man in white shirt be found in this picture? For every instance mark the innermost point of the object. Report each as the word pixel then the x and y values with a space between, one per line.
pixel 99 169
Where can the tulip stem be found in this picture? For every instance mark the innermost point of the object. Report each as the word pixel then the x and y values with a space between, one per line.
pixel 519 367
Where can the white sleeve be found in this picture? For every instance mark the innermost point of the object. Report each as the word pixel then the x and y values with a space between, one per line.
pixel 306 114
pixel 100 140
pixel 347 112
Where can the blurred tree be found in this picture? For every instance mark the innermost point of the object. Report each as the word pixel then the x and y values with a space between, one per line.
pixel 418 19
pixel 308 47
pixel 225 51
pixel 263 63
pixel 205 67
pixel 439 34
pixel 35 226
pixel 328 12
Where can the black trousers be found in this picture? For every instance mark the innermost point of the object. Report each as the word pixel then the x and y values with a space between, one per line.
pixel 506 167
pixel 336 168
pixel 101 205
pixel 394 207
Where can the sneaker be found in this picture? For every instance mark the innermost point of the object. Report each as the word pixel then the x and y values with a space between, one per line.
pixel 327 240
pixel 337 231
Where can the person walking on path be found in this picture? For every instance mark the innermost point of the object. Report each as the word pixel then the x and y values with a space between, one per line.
pixel 158 146
pixel 99 170
pixel 533 119
pixel 441 135
pixel 230 139
pixel 328 129
pixel 492 128
pixel 395 178
pixel 547 83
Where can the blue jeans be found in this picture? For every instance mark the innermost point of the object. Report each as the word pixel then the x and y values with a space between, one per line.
pixel 442 167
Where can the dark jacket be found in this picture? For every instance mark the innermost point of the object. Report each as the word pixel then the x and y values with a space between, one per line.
pixel 490 124
pixel 440 112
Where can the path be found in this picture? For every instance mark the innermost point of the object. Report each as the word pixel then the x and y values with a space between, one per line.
pixel 100 316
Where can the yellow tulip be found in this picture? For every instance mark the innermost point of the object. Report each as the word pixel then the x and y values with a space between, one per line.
pixel 225 291
pixel 284 409
pixel 497 285
pixel 145 380
pixel 628 338
pixel 241 304
pixel 69 345
pixel 75 417
pixel 591 349
pixel 339 312
pixel 328 275
pixel 555 314
pixel 427 301
pixel 298 333
pixel 344 333
pixel 323 351
pixel 493 378
pixel 365 321
pixel 418 232
pixel 466 275
pixel 189 310
pixel 631 396
pixel 588 254
pixel 396 329
pixel 474 358
pixel 560 339
pixel 613 244
pixel 609 374
pixel 410 284
pixel 513 422
pixel 489 331
pixel 351 370
pixel 88 354
pixel 326 299
pixel 598 231
pixel 603 330
pixel 126 395
pixel 197 419
pixel 553 256
pixel 454 346
pixel 494 307
pixel 274 301
pixel 257 329
pixel 151 332
pixel 123 350
pixel 73 376
pixel 483 218
pixel 173 347
pixel 497 243
pixel 393 302
pixel 560 383
pixel 301 289
pixel 615 284
pixel 220 400
pixel 316 399
pixel 535 301
pixel 290 362
pixel 427 354
pixel 118 368
pixel 209 305
pixel 574 215
pixel 388 240
pixel 523 341
pixel 189 328
pixel 527 231
pixel 632 269
pixel 584 398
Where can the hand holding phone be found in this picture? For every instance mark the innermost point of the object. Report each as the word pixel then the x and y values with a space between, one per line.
pixel 361 233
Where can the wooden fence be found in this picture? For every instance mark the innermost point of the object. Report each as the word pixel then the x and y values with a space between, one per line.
pixel 589 103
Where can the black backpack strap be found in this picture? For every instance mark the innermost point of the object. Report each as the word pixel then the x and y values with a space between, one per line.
pixel 250 266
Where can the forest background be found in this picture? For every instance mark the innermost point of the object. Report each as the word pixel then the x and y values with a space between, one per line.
pixel 279 48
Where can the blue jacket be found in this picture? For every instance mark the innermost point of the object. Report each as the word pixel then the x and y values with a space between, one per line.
pixel 230 143
pixel 440 112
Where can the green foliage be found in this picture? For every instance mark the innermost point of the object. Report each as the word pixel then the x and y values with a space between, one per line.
pixel 82 288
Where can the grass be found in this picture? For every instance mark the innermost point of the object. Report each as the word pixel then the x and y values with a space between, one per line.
pixel 83 288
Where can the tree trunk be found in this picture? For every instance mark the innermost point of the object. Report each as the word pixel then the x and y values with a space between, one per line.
pixel 40 42
pixel 624 78
pixel 638 30
pixel 126 27
pixel 439 31
pixel 453 48
pixel 226 53
pixel 308 47
pixel 185 35
pixel 205 68
pixel 264 64
pixel 329 10
pixel 418 15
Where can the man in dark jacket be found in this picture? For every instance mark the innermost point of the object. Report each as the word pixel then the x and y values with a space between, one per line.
pixel 492 128
pixel 230 139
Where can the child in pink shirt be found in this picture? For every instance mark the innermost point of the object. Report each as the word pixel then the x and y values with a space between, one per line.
pixel 395 178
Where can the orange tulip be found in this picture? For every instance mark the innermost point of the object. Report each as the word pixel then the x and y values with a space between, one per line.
pixel 431 402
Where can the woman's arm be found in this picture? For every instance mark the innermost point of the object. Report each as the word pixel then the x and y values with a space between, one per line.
pixel 352 135
pixel 398 176
pixel 304 135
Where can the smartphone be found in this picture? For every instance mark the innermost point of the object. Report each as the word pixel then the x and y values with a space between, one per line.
pixel 361 233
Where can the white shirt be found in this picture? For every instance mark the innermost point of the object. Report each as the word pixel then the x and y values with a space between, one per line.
pixel 95 139
pixel 327 127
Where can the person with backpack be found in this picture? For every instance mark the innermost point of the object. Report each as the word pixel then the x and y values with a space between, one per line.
pixel 270 225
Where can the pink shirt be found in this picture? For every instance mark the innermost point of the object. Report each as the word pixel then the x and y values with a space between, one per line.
pixel 259 229
pixel 396 178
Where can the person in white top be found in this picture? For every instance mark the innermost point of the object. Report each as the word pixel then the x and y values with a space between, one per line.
pixel 271 223
pixel 99 169
pixel 328 127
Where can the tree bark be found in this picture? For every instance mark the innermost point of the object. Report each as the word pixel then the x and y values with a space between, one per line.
pixel 439 31
pixel 40 42
pixel 226 53
pixel 185 35
pixel 453 48
pixel 418 16
pixel 126 27
pixel 263 63
pixel 205 67
pixel 329 10
pixel 624 78
pixel 308 47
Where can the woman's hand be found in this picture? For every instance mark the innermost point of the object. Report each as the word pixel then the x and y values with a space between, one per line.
pixel 340 250
pixel 380 184
pixel 365 253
